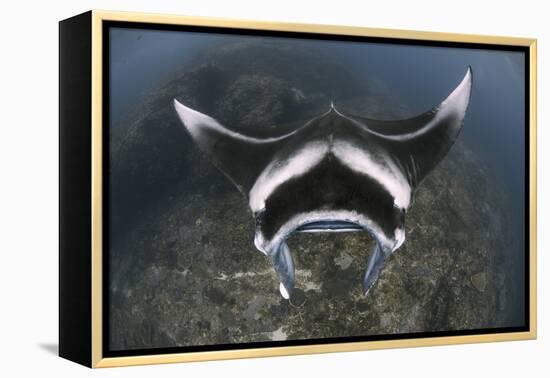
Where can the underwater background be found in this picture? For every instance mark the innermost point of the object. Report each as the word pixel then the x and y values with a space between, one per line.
pixel 183 269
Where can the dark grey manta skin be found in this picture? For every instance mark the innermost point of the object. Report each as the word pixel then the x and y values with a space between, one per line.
pixel 336 173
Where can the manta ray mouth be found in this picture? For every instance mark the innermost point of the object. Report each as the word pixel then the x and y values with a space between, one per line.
pixel 330 225
pixel 276 247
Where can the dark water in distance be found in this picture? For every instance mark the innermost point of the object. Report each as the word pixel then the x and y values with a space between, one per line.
pixel 419 76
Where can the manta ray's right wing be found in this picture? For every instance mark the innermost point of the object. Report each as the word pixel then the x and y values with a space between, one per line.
pixel 423 141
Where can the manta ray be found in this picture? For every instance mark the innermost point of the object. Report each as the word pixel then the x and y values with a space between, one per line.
pixel 335 173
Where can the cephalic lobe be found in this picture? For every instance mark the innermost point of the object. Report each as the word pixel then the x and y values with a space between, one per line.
pixel 336 173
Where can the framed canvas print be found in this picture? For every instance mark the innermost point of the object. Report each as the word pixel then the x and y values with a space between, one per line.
pixel 235 189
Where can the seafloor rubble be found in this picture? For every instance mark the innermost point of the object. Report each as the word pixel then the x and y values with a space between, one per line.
pixel 183 267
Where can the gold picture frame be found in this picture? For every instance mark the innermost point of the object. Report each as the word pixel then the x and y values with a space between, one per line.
pixel 90 328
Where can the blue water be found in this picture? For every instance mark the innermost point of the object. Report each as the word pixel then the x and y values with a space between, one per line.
pixel 143 59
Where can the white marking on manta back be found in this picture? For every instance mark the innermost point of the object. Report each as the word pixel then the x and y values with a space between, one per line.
pixel 280 171
pixel 386 174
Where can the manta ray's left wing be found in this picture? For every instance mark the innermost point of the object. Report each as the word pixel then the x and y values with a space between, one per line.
pixel 238 156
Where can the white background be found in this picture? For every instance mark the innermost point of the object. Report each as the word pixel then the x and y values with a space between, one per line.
pixel 29 189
